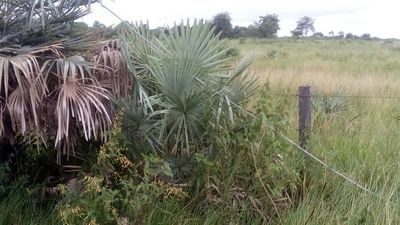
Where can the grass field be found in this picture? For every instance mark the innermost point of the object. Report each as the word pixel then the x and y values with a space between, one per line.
pixel 357 136
pixel 355 129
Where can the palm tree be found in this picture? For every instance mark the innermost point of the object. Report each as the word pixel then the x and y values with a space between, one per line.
pixel 185 79
pixel 51 83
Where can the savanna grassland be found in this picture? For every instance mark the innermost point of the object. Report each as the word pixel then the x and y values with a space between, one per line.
pixel 358 135
pixel 174 127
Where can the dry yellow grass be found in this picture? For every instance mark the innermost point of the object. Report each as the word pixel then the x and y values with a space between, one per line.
pixel 362 85
pixel 360 67
pixel 362 141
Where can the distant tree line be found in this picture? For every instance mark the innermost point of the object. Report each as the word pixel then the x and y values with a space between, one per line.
pixel 342 35
pixel 267 27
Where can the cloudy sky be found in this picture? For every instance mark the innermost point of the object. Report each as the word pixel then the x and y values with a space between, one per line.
pixel 379 18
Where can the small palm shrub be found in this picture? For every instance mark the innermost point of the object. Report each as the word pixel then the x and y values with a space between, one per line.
pixel 183 79
pixel 329 105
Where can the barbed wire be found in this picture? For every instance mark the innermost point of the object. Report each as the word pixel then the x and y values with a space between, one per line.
pixel 335 96
pixel 328 132
pixel 388 134
pixel 309 154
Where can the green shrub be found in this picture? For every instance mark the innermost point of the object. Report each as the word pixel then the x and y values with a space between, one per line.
pixel 183 142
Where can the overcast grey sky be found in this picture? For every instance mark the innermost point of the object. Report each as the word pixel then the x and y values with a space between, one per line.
pixel 379 18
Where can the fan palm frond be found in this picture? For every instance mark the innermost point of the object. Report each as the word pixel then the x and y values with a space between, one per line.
pixel 198 43
pixel 84 104
pixel 182 124
pixel 46 87
pixel 81 101
pixel 141 129
pixel 23 88
pixel 111 69
pixel 189 71
pixel 139 50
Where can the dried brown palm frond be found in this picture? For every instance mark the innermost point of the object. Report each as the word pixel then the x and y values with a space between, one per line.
pixel 46 85
pixel 22 87
pixel 30 86
pixel 111 69
pixel 3 123
pixel 81 104
pixel 81 101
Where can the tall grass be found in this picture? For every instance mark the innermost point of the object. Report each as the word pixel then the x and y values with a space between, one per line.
pixel 19 207
pixel 360 137
pixel 362 141
pixel 365 67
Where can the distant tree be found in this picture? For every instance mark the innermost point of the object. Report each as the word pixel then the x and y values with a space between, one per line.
pixel 97 25
pixel 349 36
pixel 159 31
pixel 236 32
pixel 296 33
pixel 80 27
pixel 99 29
pixel 268 26
pixel 239 31
pixel 340 35
pixel 222 24
pixel 304 26
pixel 252 31
pixel 332 33
pixel 366 36
pixel 318 35
pixel 122 25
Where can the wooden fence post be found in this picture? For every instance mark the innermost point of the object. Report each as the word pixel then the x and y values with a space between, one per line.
pixel 304 116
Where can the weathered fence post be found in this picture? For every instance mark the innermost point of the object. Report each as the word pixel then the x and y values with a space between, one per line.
pixel 304 115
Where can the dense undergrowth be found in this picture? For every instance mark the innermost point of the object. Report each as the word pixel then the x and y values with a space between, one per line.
pixel 240 179
pixel 181 149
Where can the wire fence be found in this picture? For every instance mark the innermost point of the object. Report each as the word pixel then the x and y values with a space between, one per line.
pixel 336 96
pixel 312 156
pixel 294 127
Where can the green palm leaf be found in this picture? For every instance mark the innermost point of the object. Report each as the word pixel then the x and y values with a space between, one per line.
pixel 188 69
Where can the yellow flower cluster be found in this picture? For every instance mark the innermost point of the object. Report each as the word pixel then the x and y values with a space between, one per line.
pixel 171 191
pixel 175 192
pixel 125 162
pixel 92 183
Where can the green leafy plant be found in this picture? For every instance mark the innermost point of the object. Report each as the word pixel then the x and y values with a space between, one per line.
pixel 115 188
